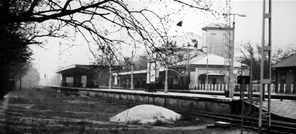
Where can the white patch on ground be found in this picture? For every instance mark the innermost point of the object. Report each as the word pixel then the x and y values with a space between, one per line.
pixel 79 102
pixel 146 114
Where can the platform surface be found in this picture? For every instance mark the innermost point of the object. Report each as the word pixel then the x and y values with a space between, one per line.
pixel 281 107
pixel 183 94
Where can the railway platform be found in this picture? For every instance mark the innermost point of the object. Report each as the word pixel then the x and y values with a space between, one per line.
pixel 281 104
pixel 178 101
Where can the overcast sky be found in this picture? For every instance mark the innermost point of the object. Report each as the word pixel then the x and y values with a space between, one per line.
pixel 248 29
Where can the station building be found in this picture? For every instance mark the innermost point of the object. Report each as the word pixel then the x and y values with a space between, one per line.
pixel 203 69
pixel 285 75
pixel 207 66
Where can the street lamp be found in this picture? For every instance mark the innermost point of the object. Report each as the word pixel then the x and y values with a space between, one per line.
pixel 231 75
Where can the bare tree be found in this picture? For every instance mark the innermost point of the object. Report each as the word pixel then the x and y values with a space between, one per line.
pixel 88 17
pixel 281 54
pixel 251 55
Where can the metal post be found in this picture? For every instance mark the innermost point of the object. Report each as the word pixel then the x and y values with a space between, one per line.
pixel 269 86
pixel 231 84
pixel 59 66
pixel 242 93
pixel 166 80
pixel 242 104
pixel 207 76
pixel 261 70
pixel 187 68
pixel 132 71
pixel 263 78
pixel 110 77
pixel 231 75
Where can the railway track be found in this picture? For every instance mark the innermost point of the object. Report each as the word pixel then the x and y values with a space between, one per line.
pixel 277 126
pixel 249 122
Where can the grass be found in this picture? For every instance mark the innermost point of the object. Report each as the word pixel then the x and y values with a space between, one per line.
pixel 60 113
pixel 67 111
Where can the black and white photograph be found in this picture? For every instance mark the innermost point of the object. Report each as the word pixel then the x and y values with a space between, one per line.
pixel 147 67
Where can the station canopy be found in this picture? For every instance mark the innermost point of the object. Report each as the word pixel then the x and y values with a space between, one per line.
pixel 85 69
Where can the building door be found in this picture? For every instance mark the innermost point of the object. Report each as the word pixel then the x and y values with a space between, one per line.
pixel 83 80
pixel 282 80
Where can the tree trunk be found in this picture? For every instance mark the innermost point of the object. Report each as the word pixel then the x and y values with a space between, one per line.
pixel 4 83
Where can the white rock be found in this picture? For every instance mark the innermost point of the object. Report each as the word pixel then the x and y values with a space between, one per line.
pixel 146 114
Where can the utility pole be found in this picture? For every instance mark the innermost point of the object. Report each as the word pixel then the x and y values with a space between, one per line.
pixel 231 74
pixel 265 76
pixel 231 84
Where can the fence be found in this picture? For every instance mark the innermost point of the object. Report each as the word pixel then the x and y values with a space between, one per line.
pixel 279 88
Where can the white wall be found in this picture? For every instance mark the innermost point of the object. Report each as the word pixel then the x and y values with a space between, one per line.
pixel 215 41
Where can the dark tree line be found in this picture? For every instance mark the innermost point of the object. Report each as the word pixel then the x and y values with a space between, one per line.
pixel 14 55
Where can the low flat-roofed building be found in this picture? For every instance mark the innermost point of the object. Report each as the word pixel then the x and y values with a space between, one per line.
pixel 85 75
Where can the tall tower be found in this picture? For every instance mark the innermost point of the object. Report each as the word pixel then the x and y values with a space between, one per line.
pixel 214 39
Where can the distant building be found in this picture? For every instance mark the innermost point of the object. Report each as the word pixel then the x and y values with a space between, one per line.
pixel 200 67
pixel 285 74
pixel 189 57
pixel 85 75
pixel 214 38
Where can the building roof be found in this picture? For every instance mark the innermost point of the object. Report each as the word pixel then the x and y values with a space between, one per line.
pixel 198 60
pixel 84 68
pixel 288 62
pixel 210 59
pixel 214 26
pixel 212 73
pixel 136 72
pixel 74 68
